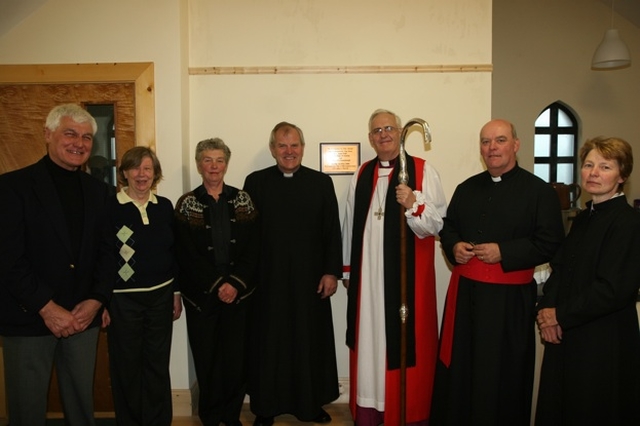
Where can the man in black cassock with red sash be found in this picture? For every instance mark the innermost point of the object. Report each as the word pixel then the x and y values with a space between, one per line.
pixel 500 224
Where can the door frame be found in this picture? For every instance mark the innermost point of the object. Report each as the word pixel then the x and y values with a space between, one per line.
pixel 141 74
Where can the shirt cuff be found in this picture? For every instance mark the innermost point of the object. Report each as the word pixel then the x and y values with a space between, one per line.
pixel 418 205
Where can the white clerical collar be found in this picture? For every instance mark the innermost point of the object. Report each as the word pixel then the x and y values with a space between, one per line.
pixel 288 174
pixel 496 178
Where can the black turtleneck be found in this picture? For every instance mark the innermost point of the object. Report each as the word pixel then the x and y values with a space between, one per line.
pixel 69 189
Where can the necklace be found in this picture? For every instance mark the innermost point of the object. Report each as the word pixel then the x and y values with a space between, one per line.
pixel 380 213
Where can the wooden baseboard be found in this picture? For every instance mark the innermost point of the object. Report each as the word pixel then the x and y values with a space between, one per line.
pixel 183 402
pixel 343 382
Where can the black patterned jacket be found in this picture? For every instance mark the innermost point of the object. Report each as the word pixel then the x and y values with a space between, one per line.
pixel 200 273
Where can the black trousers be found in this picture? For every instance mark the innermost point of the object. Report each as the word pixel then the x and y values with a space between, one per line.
pixel 139 350
pixel 217 341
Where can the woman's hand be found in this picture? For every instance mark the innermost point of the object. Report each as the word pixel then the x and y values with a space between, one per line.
pixel 550 330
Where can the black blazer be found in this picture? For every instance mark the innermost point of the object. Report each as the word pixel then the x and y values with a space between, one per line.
pixel 37 263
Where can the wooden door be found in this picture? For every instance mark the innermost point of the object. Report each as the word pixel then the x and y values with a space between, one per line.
pixel 27 94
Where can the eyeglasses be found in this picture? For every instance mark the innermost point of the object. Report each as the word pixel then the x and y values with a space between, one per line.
pixel 387 129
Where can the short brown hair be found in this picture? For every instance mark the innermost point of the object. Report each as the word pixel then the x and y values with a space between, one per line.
pixel 611 148
pixel 133 158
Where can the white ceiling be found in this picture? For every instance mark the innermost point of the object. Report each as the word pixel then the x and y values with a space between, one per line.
pixel 12 12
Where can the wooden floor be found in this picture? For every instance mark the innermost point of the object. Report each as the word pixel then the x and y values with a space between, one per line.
pixel 339 413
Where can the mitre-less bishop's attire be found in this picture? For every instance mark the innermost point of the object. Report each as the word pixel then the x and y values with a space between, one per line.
pixel 371 247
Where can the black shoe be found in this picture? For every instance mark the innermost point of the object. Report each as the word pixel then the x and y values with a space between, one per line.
pixel 323 417
pixel 263 421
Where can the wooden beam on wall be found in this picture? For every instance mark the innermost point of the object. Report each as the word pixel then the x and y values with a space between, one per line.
pixel 358 69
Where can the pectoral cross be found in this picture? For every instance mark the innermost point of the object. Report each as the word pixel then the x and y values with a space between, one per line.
pixel 379 213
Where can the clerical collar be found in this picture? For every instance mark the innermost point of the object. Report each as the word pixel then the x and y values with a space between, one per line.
pixel 592 207
pixel 506 175
pixel 288 174
pixel 383 164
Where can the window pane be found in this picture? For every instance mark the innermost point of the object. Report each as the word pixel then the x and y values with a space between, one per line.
pixel 542 146
pixel 563 119
pixel 102 162
pixel 565 146
pixel 543 119
pixel 565 173
pixel 542 171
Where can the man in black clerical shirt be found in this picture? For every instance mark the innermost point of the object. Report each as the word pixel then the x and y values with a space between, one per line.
pixel 292 365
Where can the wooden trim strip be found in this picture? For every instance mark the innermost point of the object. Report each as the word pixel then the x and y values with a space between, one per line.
pixel 73 73
pixel 358 69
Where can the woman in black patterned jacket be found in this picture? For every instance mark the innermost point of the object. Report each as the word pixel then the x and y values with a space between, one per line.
pixel 217 252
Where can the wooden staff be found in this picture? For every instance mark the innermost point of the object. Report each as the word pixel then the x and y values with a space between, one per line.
pixel 403 178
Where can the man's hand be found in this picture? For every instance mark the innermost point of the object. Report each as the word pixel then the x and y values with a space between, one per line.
pixel 405 196
pixel 488 252
pixel 85 311
pixel 328 286
pixel 463 252
pixel 61 322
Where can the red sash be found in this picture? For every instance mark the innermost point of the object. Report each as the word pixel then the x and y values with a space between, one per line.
pixel 478 271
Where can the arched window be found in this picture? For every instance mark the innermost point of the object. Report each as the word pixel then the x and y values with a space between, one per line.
pixel 556 145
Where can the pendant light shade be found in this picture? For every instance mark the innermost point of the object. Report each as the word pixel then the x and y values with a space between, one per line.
pixel 612 53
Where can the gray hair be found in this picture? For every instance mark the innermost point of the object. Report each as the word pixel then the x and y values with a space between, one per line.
pixel 211 144
pixel 73 111
pixel 384 111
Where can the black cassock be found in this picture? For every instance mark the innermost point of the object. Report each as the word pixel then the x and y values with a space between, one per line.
pixel 490 378
pixel 292 358
pixel 593 376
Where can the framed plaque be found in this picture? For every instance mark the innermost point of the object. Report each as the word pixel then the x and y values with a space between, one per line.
pixel 339 158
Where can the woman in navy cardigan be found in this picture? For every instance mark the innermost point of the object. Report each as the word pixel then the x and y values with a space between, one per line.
pixel 145 299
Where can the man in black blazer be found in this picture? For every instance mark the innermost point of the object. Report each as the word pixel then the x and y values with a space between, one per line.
pixel 52 282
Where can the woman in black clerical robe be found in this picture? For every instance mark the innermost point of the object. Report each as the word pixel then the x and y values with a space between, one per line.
pixel 587 317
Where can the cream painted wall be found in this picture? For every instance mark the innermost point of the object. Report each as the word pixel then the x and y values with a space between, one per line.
pixel 177 34
pixel 542 54
pixel 336 109
pixel 242 109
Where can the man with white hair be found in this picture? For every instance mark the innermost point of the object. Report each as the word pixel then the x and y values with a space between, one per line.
pixel 51 293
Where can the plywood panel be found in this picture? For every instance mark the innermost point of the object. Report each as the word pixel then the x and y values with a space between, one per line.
pixel 24 108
